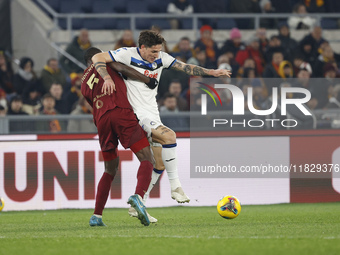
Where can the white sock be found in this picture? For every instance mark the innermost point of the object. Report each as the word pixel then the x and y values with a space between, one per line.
pixel 154 178
pixel 169 157
pixel 97 215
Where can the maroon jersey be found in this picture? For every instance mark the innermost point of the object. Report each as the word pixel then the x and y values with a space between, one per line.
pixel 91 86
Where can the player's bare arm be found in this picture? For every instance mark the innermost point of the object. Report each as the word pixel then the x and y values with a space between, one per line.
pixel 99 61
pixel 199 71
pixel 133 74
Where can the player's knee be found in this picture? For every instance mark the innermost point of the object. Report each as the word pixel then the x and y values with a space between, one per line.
pixel 111 167
pixel 145 154
pixel 159 165
pixel 170 137
pixel 111 171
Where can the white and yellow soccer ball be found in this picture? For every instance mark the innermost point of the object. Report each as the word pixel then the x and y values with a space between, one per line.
pixel 2 203
pixel 229 207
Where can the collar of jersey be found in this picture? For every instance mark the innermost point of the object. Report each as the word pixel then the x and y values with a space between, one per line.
pixel 141 56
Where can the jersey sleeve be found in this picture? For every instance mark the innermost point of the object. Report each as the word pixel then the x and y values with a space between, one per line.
pixel 121 55
pixel 167 60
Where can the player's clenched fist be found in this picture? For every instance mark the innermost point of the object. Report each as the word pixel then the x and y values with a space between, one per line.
pixel 108 86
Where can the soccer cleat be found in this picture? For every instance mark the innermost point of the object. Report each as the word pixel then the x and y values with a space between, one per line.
pixel 133 213
pixel 179 195
pixel 96 221
pixel 136 202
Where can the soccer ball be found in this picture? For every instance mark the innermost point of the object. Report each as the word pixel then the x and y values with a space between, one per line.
pixel 2 203
pixel 229 207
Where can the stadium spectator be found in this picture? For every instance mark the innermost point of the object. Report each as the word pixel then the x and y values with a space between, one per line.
pixel 227 61
pixel 53 126
pixel 261 34
pixel 51 74
pixel 288 43
pixel 26 78
pixel 31 101
pixel 330 72
pixel 61 105
pixel 15 106
pixel 126 40
pixel 252 51
pixel 15 109
pixel 248 63
pixel 84 125
pixel 303 81
pixel 286 71
pixel 267 7
pixel 244 6
pixel 6 74
pixel 310 44
pixel 206 42
pixel 169 103
pixel 272 69
pixel 327 56
pixel 334 100
pixel 74 94
pixel 183 49
pixel 299 63
pixel 179 7
pixel 223 62
pixel 234 44
pixel 301 22
pixel 315 6
pixel 175 89
pixel 200 59
pixel 76 48
pixel 274 45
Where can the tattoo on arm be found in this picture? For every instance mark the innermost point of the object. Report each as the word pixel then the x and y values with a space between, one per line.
pixel 101 69
pixel 190 69
pixel 199 71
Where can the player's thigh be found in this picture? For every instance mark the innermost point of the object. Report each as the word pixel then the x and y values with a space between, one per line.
pixel 157 154
pixel 163 135
pixel 130 133
pixel 108 139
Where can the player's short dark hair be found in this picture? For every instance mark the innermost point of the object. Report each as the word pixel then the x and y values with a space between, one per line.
pixel 149 38
pixel 89 53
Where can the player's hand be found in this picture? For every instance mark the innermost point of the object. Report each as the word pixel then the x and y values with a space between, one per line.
pixel 108 86
pixel 220 72
pixel 152 84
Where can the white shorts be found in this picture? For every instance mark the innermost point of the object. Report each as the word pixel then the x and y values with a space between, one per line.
pixel 148 123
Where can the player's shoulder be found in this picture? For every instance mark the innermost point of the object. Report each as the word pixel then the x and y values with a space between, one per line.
pixel 163 54
pixel 124 50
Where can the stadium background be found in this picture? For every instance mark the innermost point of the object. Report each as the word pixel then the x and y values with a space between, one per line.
pixel 28 180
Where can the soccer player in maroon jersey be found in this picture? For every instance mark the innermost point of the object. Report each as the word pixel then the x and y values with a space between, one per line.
pixel 115 119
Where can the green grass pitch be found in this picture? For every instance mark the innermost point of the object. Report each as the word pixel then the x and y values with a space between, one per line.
pixel 266 229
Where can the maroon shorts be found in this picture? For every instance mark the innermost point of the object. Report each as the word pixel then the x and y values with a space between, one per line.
pixel 122 124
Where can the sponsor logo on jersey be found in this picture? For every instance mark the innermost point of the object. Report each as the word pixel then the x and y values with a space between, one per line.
pixel 99 104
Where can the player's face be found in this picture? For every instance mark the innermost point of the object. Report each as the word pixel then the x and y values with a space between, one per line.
pixel 150 54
